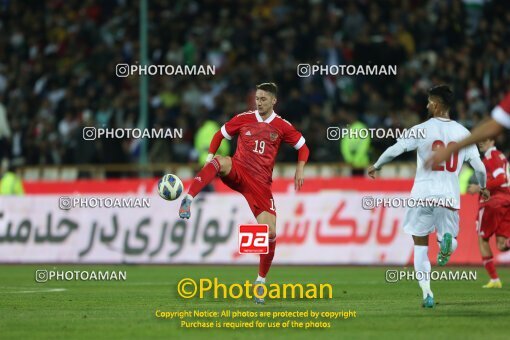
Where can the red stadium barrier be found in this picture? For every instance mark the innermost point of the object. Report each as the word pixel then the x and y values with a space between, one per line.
pixel 467 252
pixel 116 186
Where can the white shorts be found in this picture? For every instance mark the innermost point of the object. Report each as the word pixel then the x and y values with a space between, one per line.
pixel 422 221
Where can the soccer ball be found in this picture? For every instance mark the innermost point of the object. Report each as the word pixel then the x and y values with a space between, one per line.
pixel 170 187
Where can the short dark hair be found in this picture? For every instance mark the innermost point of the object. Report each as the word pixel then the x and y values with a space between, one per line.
pixel 268 87
pixel 444 93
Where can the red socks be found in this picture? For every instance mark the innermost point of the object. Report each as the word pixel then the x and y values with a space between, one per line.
pixel 490 267
pixel 204 177
pixel 267 259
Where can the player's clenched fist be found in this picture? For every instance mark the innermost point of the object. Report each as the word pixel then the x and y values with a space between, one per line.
pixel 485 194
pixel 371 171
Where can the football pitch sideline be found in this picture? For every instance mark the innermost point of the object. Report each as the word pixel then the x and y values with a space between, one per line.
pixel 99 308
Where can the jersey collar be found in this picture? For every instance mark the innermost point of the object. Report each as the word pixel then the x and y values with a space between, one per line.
pixel 442 119
pixel 489 151
pixel 268 120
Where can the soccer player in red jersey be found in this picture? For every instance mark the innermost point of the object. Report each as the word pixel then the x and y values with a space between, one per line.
pixel 250 170
pixel 494 214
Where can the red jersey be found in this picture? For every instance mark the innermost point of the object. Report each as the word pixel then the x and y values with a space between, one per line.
pixel 496 166
pixel 501 113
pixel 259 141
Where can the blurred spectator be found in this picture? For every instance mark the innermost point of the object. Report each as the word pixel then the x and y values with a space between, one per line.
pixel 18 141
pixel 5 131
pixel 10 182
pixel 355 150
pixel 58 58
pixel 203 139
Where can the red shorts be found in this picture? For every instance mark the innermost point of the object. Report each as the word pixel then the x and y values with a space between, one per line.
pixel 493 218
pixel 258 196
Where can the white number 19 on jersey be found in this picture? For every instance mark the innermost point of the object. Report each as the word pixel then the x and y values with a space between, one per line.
pixel 259 146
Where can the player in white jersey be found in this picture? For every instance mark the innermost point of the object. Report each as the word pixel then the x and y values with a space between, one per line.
pixel 438 185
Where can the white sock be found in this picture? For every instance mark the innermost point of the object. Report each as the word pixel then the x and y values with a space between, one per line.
pixel 454 244
pixel 188 196
pixel 422 264
pixel 261 279
pixel 495 280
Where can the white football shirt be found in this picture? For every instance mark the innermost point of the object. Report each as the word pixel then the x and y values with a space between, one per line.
pixel 441 181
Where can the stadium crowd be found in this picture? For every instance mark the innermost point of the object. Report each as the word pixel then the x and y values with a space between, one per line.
pixel 58 59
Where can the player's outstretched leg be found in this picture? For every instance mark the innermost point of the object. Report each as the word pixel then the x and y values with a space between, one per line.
pixel 266 259
pixel 422 266
pixel 204 177
pixel 447 246
pixel 488 263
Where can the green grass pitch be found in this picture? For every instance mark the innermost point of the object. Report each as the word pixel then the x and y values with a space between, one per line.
pixel 126 310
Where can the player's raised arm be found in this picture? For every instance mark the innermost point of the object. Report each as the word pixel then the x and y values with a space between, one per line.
pixel 214 146
pixel 229 129
pixel 491 128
